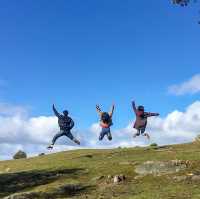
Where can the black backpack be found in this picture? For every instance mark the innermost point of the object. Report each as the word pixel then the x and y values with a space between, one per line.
pixel 105 117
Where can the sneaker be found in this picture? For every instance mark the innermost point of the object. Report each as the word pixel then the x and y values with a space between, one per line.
pixel 147 135
pixel 50 147
pixel 135 135
pixel 77 142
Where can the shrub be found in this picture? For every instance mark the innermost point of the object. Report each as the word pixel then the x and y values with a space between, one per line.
pixel 153 145
pixel 20 155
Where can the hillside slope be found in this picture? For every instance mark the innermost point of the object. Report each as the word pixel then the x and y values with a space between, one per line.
pixel 88 174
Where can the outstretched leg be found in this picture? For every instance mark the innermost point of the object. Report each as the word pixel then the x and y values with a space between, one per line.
pixel 137 134
pixel 60 134
pixel 71 137
pixel 109 135
pixel 102 134
pixel 145 134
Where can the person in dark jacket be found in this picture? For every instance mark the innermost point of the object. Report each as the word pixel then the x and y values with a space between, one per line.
pixel 105 122
pixel 141 120
pixel 66 124
pixel 181 2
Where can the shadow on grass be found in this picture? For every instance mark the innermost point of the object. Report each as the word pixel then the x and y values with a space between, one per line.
pixel 14 182
pixel 69 190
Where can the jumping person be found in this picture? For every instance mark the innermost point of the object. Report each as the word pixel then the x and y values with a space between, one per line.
pixel 141 120
pixel 181 2
pixel 66 124
pixel 105 122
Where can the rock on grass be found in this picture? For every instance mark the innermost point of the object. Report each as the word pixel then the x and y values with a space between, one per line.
pixel 161 167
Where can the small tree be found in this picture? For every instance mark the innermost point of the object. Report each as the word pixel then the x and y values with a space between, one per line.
pixel 20 155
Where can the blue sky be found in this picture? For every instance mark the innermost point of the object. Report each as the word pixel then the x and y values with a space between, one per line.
pixel 79 53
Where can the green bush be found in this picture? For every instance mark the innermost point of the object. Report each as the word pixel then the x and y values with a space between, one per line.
pixel 20 155
pixel 153 145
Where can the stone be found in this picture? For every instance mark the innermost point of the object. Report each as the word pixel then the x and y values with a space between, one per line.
pixel 116 179
pixel 195 178
pixel 160 167
pixel 119 178
pixel 180 178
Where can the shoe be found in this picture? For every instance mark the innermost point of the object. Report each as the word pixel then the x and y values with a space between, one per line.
pixel 77 142
pixel 147 135
pixel 135 135
pixel 50 147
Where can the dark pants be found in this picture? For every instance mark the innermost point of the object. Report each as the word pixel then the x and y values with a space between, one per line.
pixel 105 131
pixel 141 130
pixel 63 133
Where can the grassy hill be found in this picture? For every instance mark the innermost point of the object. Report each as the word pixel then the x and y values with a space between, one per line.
pixel 85 174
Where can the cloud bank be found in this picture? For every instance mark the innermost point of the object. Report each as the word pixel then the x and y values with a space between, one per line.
pixel 190 86
pixel 33 134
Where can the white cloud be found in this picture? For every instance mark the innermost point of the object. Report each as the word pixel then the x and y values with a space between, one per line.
pixel 190 86
pixel 10 110
pixel 178 126
pixel 33 134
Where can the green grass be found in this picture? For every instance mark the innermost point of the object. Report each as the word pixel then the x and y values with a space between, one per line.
pixel 46 174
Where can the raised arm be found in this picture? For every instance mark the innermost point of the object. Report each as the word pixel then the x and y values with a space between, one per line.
pixel 98 109
pixel 55 111
pixel 134 107
pixel 152 114
pixel 112 110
